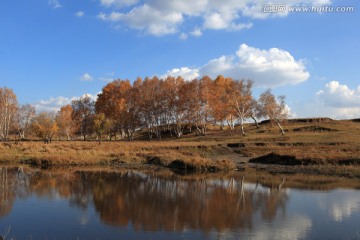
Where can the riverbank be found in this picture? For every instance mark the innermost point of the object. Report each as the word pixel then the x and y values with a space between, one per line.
pixel 319 148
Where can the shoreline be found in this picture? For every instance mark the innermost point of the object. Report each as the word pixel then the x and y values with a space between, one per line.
pixel 329 148
pixel 186 157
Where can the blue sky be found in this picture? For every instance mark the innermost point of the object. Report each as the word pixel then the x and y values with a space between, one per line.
pixel 52 51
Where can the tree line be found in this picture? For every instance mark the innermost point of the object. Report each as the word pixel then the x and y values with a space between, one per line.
pixel 170 105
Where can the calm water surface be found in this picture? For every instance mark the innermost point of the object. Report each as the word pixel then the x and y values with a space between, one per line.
pixel 123 204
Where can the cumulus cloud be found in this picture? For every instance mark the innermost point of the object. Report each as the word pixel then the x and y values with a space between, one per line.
pixel 54 104
pixel 215 15
pixel 340 100
pixel 54 4
pixel 268 68
pixel 185 72
pixel 147 19
pixel 79 14
pixel 340 96
pixel 86 77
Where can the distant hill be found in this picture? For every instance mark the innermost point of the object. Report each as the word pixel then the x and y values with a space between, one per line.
pixel 305 120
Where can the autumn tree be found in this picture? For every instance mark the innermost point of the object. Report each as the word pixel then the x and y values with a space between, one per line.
pixel 112 102
pixel 173 105
pixel 8 109
pixel 100 125
pixel 202 111
pixel 152 105
pixel 273 109
pixel 24 116
pixel 44 126
pixel 65 122
pixel 255 112
pixel 186 96
pixel 83 113
pixel 241 100
pixel 132 110
pixel 221 107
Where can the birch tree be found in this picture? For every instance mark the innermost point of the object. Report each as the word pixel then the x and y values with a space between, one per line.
pixel 8 109
pixel 273 109
pixel 83 114
pixel 173 108
pixel 24 116
pixel 255 113
pixel 241 100
pixel 44 126
pixel 65 122
pixel 112 101
pixel 221 108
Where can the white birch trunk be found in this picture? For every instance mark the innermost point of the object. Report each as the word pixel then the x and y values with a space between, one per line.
pixel 242 126
pixel 282 130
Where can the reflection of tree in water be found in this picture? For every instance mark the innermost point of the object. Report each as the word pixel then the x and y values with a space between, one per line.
pixel 148 202
pixel 6 198
pixel 80 191
pixel 9 179
pixel 64 185
pixel 21 183
pixel 153 203
pixel 275 200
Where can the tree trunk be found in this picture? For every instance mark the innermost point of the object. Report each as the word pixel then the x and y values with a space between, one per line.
pixel 231 124
pixel 178 129
pixel 242 126
pixel 282 130
pixel 257 124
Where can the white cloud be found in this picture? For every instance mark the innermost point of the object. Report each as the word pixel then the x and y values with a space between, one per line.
pixel 290 112
pixel 196 32
pixel 340 101
pixel 54 4
pixel 51 105
pixel 79 14
pixel 224 20
pixel 159 17
pixel 183 36
pixel 340 96
pixel 185 72
pixel 217 21
pixel 268 68
pixel 86 77
pixel 147 19
pixel 117 3
pixel 54 104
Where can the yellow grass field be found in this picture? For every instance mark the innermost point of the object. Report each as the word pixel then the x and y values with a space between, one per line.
pixel 334 144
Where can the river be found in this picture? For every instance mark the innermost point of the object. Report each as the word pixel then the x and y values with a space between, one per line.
pixel 110 203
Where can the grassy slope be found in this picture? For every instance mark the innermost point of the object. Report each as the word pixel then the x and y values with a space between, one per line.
pixel 329 143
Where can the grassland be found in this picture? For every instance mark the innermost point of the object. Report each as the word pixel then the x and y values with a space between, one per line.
pixel 314 147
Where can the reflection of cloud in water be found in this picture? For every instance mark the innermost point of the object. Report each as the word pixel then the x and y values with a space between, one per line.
pixel 291 227
pixel 84 219
pixel 341 206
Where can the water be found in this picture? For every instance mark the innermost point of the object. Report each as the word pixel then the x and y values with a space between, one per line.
pixel 126 204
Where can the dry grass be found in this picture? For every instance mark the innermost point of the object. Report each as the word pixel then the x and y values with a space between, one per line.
pixel 330 143
pixel 106 153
